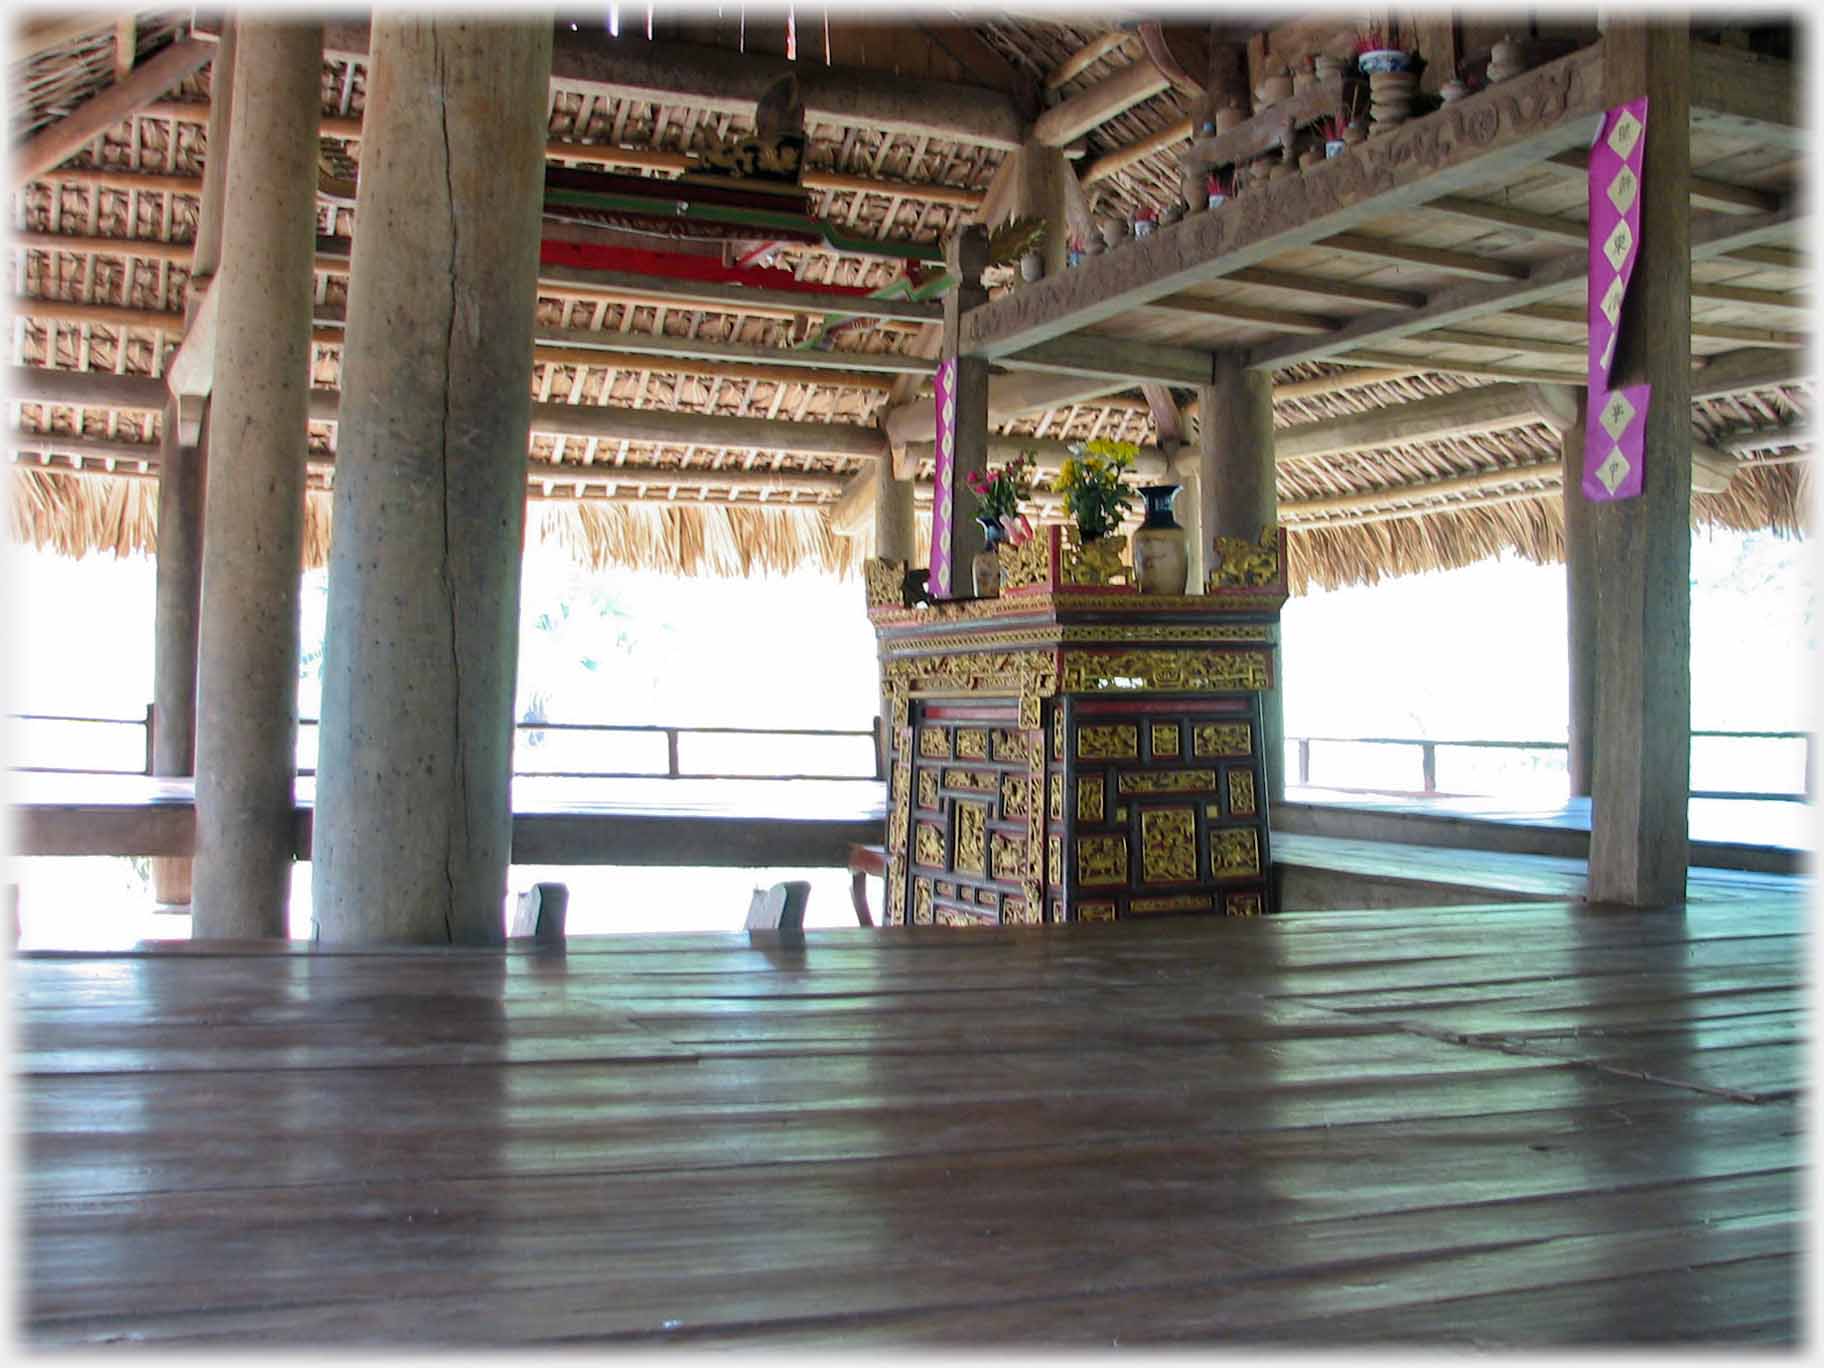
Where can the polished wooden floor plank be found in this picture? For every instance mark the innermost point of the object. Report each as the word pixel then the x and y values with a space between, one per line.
pixel 1320 1128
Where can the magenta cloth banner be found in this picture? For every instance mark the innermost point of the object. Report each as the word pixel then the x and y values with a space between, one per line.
pixel 941 494
pixel 1614 436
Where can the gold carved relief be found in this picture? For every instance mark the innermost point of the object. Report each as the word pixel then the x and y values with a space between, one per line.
pixel 1241 563
pixel 1168 845
pixel 1222 738
pixel 1097 562
pixel 1241 792
pixel 1101 860
pixel 1242 905
pixel 896 899
pixel 1057 740
pixel 1019 912
pixel 1089 798
pixel 921 902
pixel 975 781
pixel 1054 846
pixel 955 916
pixel 1033 884
pixel 885 580
pixel 1120 815
pixel 1057 798
pixel 929 847
pixel 1165 781
pixel 934 743
pixel 1009 745
pixel 1183 902
pixel 1165 740
pixel 1120 742
pixel 927 788
pixel 1234 851
pixel 1095 911
pixel 1013 795
pixel 1009 857
pixel 1025 565
pixel 1174 671
pixel 945 890
pixel 898 821
pixel 972 839
pixel 971 744
pixel 988 898
pixel 1031 676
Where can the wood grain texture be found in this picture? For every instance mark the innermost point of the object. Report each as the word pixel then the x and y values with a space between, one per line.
pixel 1506 1126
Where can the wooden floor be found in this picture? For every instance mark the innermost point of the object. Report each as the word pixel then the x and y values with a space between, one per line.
pixel 1527 1125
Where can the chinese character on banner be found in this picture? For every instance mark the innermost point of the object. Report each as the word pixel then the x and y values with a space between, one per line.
pixel 945 383
pixel 1614 445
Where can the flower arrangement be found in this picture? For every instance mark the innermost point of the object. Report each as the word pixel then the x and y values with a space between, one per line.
pixel 1001 489
pixel 1090 481
pixel 1219 185
pixel 1372 41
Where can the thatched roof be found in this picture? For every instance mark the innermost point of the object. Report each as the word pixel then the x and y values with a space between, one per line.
pixel 89 309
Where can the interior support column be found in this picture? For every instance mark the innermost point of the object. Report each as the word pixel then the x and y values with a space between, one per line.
pixel 1640 817
pixel 1581 632
pixel 1236 497
pixel 414 820
pixel 968 255
pixel 247 669
pixel 178 602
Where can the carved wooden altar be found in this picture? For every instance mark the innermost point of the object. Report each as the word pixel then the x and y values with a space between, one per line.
pixel 1074 750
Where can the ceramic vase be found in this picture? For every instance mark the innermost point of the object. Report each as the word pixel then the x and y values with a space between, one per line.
pixel 985 568
pixel 1161 559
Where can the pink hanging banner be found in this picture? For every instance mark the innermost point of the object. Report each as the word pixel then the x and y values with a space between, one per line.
pixel 1615 435
pixel 941 494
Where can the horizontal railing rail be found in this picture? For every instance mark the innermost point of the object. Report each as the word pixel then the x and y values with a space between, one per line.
pixel 1429 747
pixel 673 734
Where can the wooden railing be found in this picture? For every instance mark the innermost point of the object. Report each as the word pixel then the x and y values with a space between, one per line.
pixel 530 735
pixel 1429 747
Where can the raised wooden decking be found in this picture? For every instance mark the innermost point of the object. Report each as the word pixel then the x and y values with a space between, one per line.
pixel 1488 1127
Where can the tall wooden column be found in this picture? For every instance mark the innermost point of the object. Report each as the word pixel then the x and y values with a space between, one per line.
pixel 247 668
pixel 1041 189
pixel 414 820
pixel 178 602
pixel 1236 497
pixel 1580 604
pixel 895 522
pixel 1639 841
pixel 968 255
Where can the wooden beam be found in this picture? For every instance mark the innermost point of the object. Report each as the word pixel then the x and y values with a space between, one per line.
pixel 1344 380
pixel 126 46
pixel 1432 258
pixel 1267 130
pixel 1743 372
pixel 1711 236
pixel 1168 418
pixel 667 345
pixel 1740 199
pixel 1757 439
pixel 1745 95
pixel 1480 138
pixel 1506 216
pixel 1441 366
pixel 1048 454
pixel 40 34
pixel 1723 332
pixel 601 359
pixel 1009 396
pixel 1090 109
pixel 96 115
pixel 1321 286
pixel 1504 342
pixel 1280 320
pixel 1118 358
pixel 1763 299
pixel 149 249
pixel 1087 56
pixel 87 389
pixel 1464 504
pixel 1490 408
pixel 854 506
pixel 716 80
pixel 1112 163
pixel 129 182
pixel 1549 471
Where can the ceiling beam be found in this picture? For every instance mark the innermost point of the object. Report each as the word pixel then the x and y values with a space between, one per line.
pixel 1489 408
pixel 1009 396
pixel 93 117
pixel 1112 163
pixel 1480 138
pixel 33 36
pixel 660 345
pixel 1746 95
pixel 1090 109
pixel 1087 56
pixel 1754 368
pixel 716 80
pixel 1117 358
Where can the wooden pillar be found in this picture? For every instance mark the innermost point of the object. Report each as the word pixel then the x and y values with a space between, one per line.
pixel 895 525
pixel 1041 190
pixel 1640 819
pixel 968 255
pixel 414 819
pixel 1236 497
pixel 247 669
pixel 1580 604
pixel 178 605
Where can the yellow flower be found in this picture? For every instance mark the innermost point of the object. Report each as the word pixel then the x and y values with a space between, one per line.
pixel 1067 474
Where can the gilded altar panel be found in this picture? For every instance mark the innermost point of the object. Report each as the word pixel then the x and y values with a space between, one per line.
pixel 928 846
pixel 1090 789
pixel 952 916
pixel 1054 848
pixel 1013 795
pixel 1222 739
pixel 1165 781
pixel 1019 912
pixel 927 789
pixel 1182 902
pixel 1007 855
pixel 1057 742
pixel 1118 742
pixel 1242 905
pixel 896 900
pixel 921 902
pixel 1168 845
pixel 975 781
pixel 1101 860
pixel 972 839
pixel 1056 805
pixel 1181 671
pixel 934 743
pixel 1165 738
pixel 945 890
pixel 1095 911
pixel 1009 746
pixel 1234 851
pixel 971 743
pixel 1241 792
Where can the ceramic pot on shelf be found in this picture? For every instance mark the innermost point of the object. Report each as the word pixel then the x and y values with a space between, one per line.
pixel 985 567
pixel 1231 116
pixel 1032 266
pixel 1161 558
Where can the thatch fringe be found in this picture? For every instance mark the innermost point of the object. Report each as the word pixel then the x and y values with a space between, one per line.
pixel 77 515
pixel 1333 558
pixel 697 539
